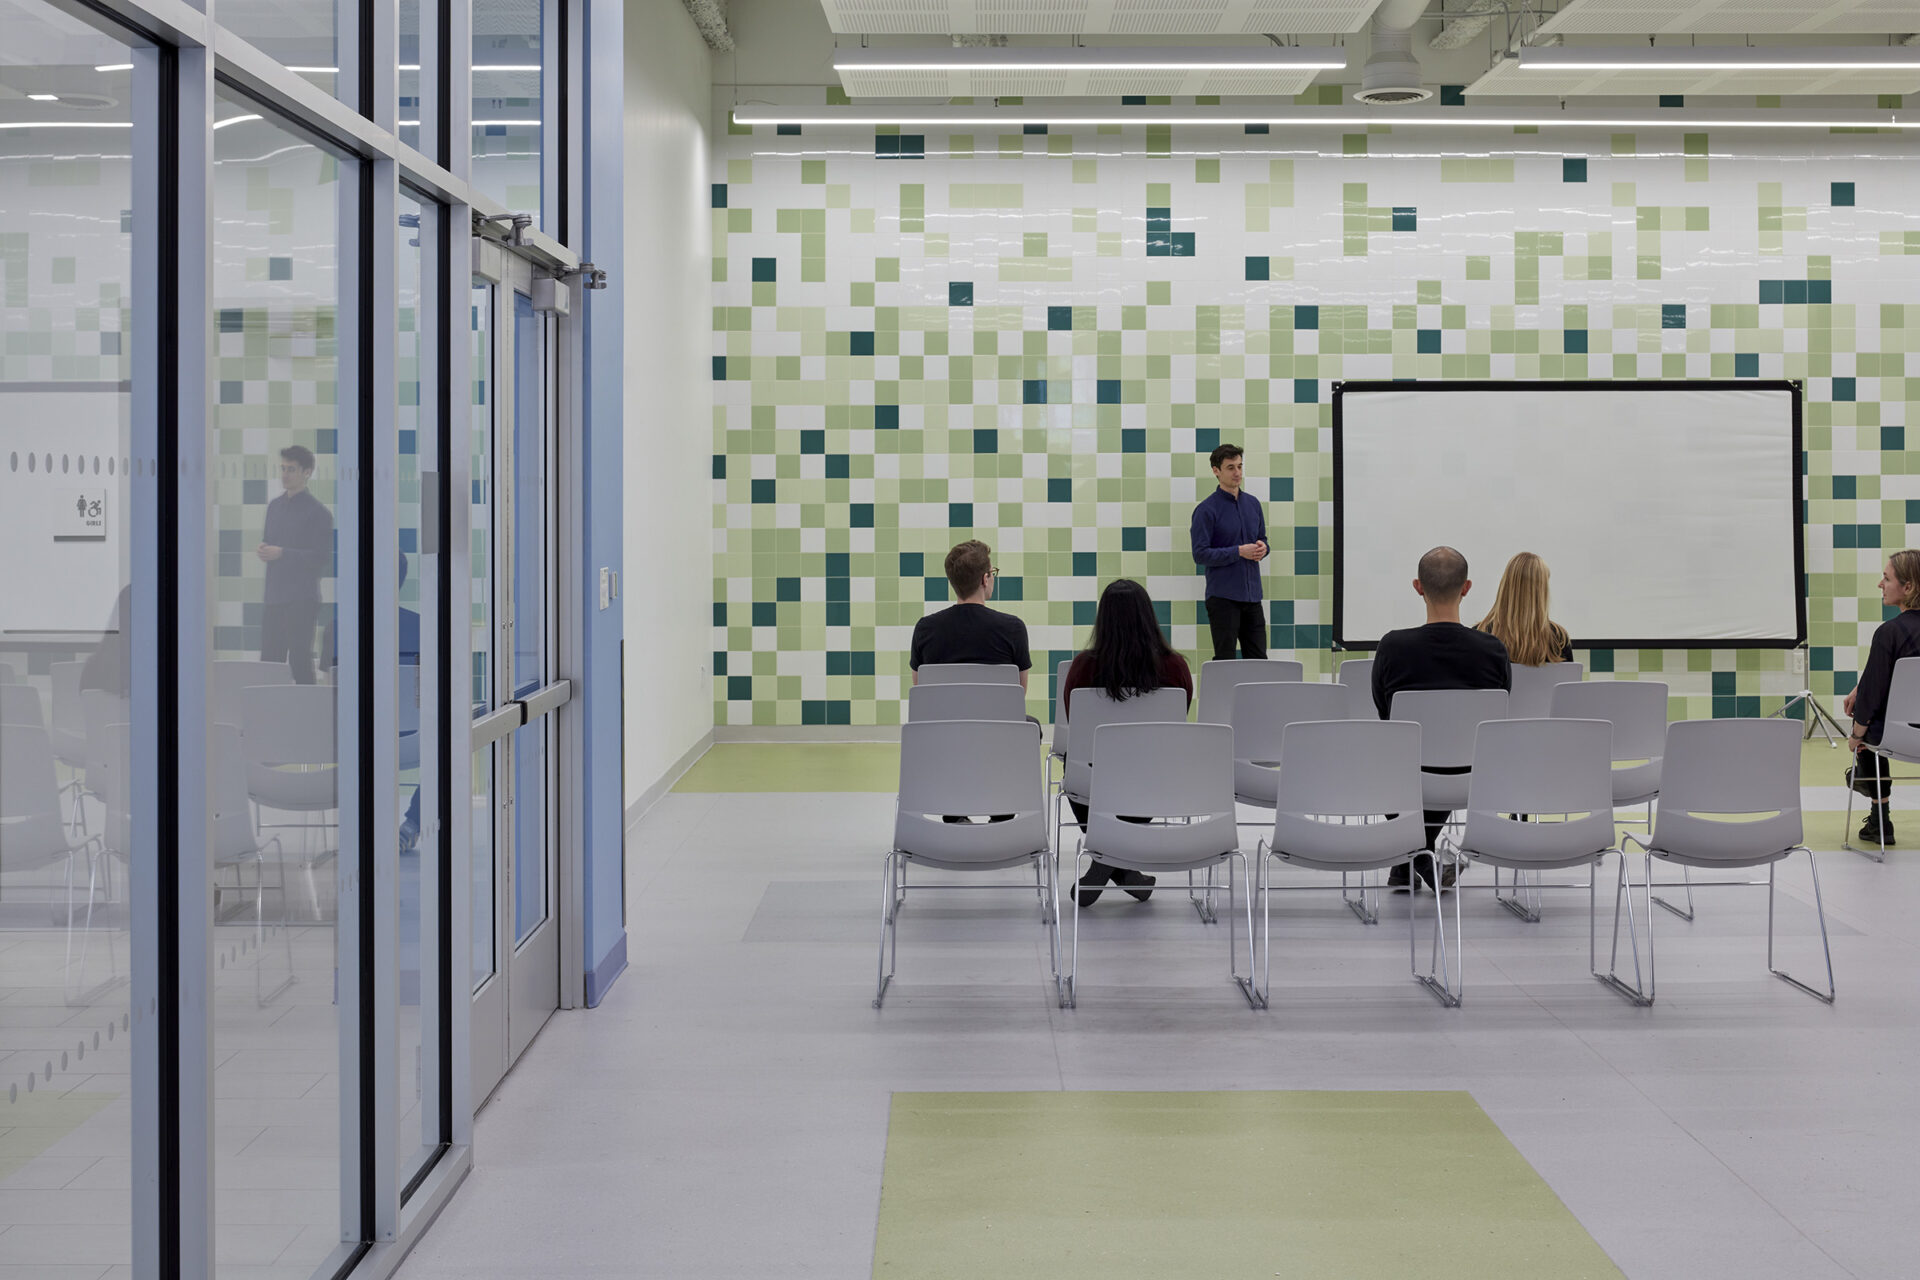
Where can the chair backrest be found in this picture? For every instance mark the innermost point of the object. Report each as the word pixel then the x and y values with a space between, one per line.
pixel 1541 767
pixel 1168 769
pixel 6 674
pixel 229 680
pixel 113 781
pixel 969 673
pixel 69 723
pixel 233 836
pixel 1340 769
pixel 1261 714
pixel 981 767
pixel 1449 720
pixel 1731 769
pixel 1637 709
pixel 966 702
pixel 101 709
pixel 1357 675
pixel 1533 687
pixel 289 724
pixel 1903 696
pixel 32 833
pixel 1220 677
pixel 20 704
pixel 1060 708
pixel 1094 707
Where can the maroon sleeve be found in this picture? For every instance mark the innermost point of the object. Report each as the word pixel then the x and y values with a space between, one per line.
pixel 1176 671
pixel 1077 675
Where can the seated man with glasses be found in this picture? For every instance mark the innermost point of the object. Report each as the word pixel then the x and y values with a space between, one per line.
pixel 969 631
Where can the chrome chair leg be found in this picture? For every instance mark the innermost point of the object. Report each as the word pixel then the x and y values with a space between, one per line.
pixel 1364 906
pixel 1820 910
pixel 1520 902
pixel 1641 992
pixel 1686 878
pixel 1254 999
pixel 888 890
pixel 1202 901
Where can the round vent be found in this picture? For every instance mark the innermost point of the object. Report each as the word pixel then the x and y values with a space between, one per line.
pixel 1391 76
pixel 88 101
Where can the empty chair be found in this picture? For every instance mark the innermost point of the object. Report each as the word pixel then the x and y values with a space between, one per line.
pixel 1730 798
pixel 1637 709
pixel 966 766
pixel 1220 677
pixel 1357 675
pixel 1899 740
pixel 235 844
pixel 100 710
pixel 1261 714
pixel 1533 687
pixel 1347 801
pixel 1546 769
pixel 33 834
pixel 1096 707
pixel 20 704
pixel 292 763
pixel 1449 719
pixel 1178 778
pixel 966 702
pixel 969 673
pixel 67 731
pixel 230 678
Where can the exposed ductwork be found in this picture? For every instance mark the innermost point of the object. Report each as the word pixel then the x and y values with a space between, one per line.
pixel 710 16
pixel 979 42
pixel 1466 21
pixel 1392 73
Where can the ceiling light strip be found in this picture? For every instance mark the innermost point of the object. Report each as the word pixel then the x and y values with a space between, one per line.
pixel 1445 118
pixel 1692 59
pixel 1077 58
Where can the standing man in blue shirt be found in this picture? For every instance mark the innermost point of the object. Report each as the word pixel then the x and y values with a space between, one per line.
pixel 1229 542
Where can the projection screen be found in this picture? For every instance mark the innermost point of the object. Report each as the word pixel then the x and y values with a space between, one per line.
pixel 1668 512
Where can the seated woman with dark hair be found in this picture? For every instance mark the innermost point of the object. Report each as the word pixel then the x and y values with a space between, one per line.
pixel 1127 656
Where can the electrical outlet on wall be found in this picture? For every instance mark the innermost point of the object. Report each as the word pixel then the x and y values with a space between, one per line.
pixel 1799 662
pixel 606 587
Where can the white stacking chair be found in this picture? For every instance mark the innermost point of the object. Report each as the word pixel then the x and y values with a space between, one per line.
pixel 1095 708
pixel 1332 773
pixel 966 702
pixel 228 681
pixel 1449 719
pixel 292 762
pixel 34 834
pixel 236 843
pixel 6 674
pixel 101 709
pixel 1557 773
pixel 68 733
pixel 20 704
pixel 1533 687
pixel 1357 675
pixel 1730 798
pixel 969 673
pixel 1220 677
pixel 976 767
pixel 1177 776
pixel 1261 714
pixel 1637 710
pixel 1899 740
pixel 1057 744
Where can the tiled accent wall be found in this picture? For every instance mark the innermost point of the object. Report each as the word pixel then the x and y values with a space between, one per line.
pixel 1036 338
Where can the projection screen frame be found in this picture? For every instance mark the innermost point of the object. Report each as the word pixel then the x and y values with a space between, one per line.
pixel 1796 492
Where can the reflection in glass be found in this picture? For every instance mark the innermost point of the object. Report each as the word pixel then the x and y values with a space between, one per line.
pixel 530 753
pixel 485 843
pixel 303 36
pixel 480 464
pixel 529 497
pixel 509 101
pixel 67 636
pixel 275 496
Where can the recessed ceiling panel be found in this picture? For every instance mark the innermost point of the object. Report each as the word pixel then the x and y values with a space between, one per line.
pixel 1021 82
pixel 1735 17
pixel 1506 78
pixel 1097 17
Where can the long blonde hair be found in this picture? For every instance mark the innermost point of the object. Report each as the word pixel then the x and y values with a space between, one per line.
pixel 1519 619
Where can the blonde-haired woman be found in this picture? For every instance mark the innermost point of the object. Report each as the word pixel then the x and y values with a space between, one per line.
pixel 1519 618
pixel 1896 638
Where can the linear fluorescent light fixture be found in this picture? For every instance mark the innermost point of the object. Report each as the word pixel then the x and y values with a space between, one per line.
pixel 1302 118
pixel 1077 58
pixel 1692 58
pixel 115 66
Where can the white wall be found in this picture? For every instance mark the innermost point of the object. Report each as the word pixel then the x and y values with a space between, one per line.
pixel 668 585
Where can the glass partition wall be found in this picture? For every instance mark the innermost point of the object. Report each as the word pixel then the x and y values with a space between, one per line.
pixel 254 858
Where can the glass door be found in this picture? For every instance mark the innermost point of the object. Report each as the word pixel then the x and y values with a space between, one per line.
pixel 516 932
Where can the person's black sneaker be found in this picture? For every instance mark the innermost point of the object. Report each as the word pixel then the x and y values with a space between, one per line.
pixel 1448 874
pixel 1138 884
pixel 1398 880
pixel 1878 827
pixel 1097 874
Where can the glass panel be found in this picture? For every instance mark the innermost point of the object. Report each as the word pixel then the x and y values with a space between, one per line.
pixel 486 923
pixel 480 464
pixel 530 807
pixel 508 101
pixel 418 78
pixel 66 644
pixel 304 36
pixel 419 677
pixel 529 497
pixel 275 497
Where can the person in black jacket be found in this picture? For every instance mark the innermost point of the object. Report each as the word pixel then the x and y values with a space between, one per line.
pixel 296 545
pixel 1443 654
pixel 1896 638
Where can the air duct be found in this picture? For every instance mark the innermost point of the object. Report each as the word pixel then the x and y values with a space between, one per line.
pixel 710 16
pixel 1465 22
pixel 1391 76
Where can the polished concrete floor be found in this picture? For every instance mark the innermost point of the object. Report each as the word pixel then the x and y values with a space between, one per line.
pixel 724 1113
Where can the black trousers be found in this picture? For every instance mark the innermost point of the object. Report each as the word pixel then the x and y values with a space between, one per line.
pixel 286 635
pixel 1244 621
pixel 1873 770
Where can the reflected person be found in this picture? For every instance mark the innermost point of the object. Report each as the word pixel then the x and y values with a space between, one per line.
pixel 297 547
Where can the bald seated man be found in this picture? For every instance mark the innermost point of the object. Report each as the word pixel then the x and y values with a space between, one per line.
pixel 1443 654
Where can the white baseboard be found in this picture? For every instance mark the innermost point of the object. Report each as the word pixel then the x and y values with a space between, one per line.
pixel 677 770
pixel 807 733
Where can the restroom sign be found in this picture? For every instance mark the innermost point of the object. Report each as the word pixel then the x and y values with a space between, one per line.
pixel 83 514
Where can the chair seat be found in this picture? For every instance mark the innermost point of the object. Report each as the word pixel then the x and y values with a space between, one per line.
pixel 1627 801
pixel 1254 783
pixel 1369 862
pixel 1902 757
pixel 1730 864
pixel 1445 790
pixel 970 846
pixel 1551 863
pixel 1156 867
pixel 951 864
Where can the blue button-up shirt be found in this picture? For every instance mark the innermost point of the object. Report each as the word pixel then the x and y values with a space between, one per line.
pixel 1222 524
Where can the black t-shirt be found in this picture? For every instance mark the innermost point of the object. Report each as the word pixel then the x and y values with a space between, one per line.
pixel 1439 655
pixel 1896 638
pixel 970 633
